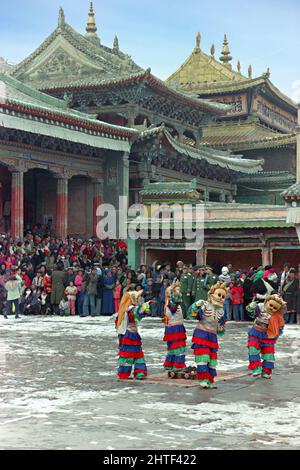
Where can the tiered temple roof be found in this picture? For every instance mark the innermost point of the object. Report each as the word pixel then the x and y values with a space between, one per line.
pixel 66 57
pixel 147 79
pixel 203 75
pixel 81 69
pixel 263 118
pixel 24 108
pixel 94 75
pixel 211 156
pixel 200 71
pixel 244 135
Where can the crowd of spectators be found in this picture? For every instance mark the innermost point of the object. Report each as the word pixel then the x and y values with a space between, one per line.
pixel 43 275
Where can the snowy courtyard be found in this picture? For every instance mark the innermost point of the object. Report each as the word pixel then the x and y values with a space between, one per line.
pixel 59 390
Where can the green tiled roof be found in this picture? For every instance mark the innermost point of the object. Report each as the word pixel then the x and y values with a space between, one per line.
pixel 26 109
pixel 293 190
pixel 107 62
pixel 13 91
pixel 99 81
pixel 245 135
pixel 268 177
pixel 212 156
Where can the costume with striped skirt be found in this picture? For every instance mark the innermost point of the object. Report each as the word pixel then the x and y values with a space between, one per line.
pixel 205 342
pixel 175 337
pixel 130 348
pixel 261 344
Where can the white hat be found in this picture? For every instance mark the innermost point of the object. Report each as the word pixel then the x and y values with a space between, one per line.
pixel 225 270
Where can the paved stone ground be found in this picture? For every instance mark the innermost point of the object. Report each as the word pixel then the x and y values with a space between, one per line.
pixel 58 390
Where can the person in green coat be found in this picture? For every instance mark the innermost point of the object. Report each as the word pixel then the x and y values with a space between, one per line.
pixel 200 285
pixel 186 285
pixel 212 278
pixel 58 286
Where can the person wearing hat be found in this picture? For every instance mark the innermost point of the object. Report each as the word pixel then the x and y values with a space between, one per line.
pixel 212 278
pixel 200 285
pixel 186 286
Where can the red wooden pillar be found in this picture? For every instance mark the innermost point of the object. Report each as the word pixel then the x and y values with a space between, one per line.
pixel 62 207
pixel 97 201
pixel 143 253
pixel 201 256
pixel 17 204
pixel 266 256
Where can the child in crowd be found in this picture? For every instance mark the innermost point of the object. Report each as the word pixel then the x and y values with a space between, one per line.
pixel 43 296
pixel 64 308
pixel 71 293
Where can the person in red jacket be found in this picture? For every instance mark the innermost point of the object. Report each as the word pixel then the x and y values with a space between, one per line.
pixel 48 290
pixel 26 279
pixel 237 300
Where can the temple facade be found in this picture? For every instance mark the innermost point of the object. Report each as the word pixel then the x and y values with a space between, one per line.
pixel 53 162
pixel 82 123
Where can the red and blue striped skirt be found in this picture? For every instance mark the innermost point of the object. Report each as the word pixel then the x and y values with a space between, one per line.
pixel 205 346
pixel 131 356
pixel 175 337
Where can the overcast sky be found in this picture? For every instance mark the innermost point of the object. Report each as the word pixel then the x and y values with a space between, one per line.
pixel 161 33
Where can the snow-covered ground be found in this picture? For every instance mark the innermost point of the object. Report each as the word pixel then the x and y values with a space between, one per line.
pixel 58 390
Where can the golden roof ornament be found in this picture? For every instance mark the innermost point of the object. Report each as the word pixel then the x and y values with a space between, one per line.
pixel 61 17
pixel 225 55
pixel 91 27
pixel 239 66
pixel 213 50
pixel 250 71
pixel 198 41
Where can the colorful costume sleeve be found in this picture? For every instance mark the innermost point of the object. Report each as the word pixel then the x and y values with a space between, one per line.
pixel 276 326
pixel 221 325
pixel 140 311
pixel 165 317
pixel 257 311
pixel 195 312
